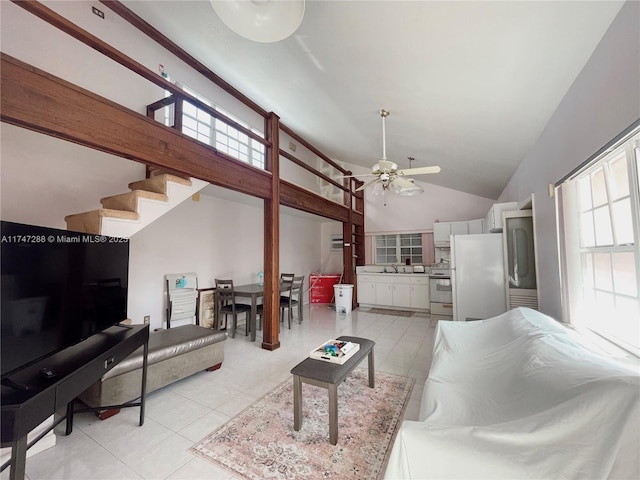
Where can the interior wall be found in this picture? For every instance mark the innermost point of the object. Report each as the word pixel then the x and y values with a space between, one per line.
pixel 418 213
pixel 601 103
pixel 215 238
pixel 331 259
pixel 43 179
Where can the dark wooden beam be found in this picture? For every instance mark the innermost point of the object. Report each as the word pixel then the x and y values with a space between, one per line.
pixel 34 99
pixel 300 198
pixel 271 299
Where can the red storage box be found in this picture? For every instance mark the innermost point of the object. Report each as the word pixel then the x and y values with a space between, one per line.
pixel 322 286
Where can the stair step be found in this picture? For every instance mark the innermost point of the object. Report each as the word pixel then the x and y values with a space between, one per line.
pixel 158 183
pixel 154 172
pixel 91 222
pixel 129 201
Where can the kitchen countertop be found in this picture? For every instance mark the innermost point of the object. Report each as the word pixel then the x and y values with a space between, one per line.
pixel 393 274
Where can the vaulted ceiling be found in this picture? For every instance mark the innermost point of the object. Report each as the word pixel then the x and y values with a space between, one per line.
pixel 470 85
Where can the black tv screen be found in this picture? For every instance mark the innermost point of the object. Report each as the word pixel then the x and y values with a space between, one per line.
pixel 57 288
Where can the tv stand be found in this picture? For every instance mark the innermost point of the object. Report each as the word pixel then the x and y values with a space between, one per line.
pixel 28 398
pixel 7 382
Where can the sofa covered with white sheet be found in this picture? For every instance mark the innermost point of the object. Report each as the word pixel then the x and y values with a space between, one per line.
pixel 519 396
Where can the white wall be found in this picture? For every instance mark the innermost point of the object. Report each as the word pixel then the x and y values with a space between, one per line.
pixel 215 238
pixel 43 179
pixel 331 260
pixel 418 213
pixel 601 103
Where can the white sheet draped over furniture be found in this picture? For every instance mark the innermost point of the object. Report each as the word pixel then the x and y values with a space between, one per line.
pixel 518 396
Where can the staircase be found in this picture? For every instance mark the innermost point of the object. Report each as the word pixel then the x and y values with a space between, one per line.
pixel 125 214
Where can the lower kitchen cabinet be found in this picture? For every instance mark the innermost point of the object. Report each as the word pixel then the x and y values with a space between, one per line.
pixel 402 295
pixel 394 290
pixel 420 295
pixel 367 292
pixel 384 294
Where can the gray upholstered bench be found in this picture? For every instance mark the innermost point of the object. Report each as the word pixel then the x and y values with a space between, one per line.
pixel 329 376
pixel 174 354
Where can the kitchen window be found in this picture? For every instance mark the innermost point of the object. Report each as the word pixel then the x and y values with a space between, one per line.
pixel 599 208
pixel 390 249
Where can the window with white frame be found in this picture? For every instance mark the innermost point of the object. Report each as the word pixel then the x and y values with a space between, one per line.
pixel 390 249
pixel 201 126
pixel 600 212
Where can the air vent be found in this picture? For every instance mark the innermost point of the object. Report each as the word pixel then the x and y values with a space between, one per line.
pixel 336 242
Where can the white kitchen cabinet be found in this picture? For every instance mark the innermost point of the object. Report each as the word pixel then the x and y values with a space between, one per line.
pixel 420 293
pixel 394 290
pixel 493 222
pixel 366 290
pixel 401 295
pixel 441 232
pixel 384 294
pixel 459 228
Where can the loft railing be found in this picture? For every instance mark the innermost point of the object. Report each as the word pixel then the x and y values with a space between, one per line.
pixel 60 22
pixel 172 113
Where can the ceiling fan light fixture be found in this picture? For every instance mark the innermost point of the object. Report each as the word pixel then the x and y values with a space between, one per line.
pixel 378 189
pixel 409 186
pixel 263 21
pixel 412 189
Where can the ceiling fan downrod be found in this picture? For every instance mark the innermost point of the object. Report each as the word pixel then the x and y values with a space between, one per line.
pixel 384 113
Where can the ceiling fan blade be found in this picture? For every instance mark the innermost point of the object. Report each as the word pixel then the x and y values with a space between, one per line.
pixel 358 175
pixel 419 170
pixel 370 182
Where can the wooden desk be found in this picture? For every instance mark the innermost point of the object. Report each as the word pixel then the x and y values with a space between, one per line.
pixel 76 369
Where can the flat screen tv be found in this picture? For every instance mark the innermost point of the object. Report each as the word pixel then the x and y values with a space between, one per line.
pixel 57 289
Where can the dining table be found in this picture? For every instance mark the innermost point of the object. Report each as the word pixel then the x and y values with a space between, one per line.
pixel 252 291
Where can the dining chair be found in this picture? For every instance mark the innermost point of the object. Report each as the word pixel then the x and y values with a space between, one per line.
pixel 227 305
pixel 286 298
pixel 286 301
pixel 286 277
pixel 296 293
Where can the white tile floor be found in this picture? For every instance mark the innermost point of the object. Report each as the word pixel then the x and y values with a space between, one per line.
pixel 183 413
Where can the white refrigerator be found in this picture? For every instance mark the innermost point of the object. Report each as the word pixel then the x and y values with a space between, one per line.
pixel 477 276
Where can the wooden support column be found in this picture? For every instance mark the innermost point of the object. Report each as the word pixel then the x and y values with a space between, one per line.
pixel 271 299
pixel 347 240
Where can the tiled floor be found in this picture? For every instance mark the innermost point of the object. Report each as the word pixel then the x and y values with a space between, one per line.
pixel 183 413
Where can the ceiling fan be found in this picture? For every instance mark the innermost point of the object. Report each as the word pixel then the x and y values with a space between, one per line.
pixel 388 176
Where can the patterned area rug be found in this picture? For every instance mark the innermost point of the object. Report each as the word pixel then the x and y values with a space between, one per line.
pixel 397 313
pixel 260 442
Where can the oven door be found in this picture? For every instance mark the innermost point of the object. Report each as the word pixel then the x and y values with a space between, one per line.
pixel 440 289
